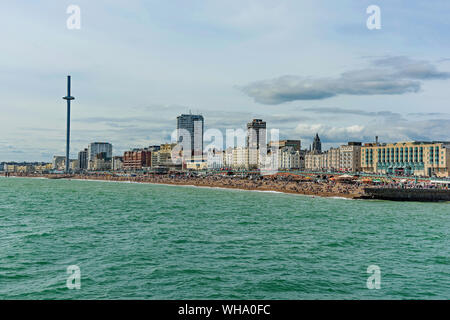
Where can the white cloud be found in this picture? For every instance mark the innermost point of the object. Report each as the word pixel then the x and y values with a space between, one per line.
pixel 387 76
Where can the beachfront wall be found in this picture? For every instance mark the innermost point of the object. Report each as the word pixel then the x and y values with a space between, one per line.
pixel 408 194
pixel 407 158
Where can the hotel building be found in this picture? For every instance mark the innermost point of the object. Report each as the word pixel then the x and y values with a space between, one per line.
pixel 241 158
pixel 288 158
pixel 350 157
pixel 417 158
pixel 315 161
pixel 162 155
pixel 137 159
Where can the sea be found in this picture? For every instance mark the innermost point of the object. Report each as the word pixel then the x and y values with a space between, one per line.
pixel 73 239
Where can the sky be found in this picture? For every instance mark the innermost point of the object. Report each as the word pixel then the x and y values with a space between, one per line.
pixel 302 66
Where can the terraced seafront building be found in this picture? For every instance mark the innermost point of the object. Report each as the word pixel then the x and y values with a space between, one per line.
pixel 418 158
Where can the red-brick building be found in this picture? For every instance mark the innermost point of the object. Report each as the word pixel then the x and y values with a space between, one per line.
pixel 137 159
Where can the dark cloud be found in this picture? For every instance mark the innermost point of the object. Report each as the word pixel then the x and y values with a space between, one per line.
pixel 386 76
pixel 429 114
pixel 413 69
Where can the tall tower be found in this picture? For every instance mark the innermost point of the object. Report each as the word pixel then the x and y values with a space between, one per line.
pixel 68 98
pixel 256 134
pixel 190 126
pixel 317 145
pixel 256 142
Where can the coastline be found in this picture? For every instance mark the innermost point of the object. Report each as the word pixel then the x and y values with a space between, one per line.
pixel 308 188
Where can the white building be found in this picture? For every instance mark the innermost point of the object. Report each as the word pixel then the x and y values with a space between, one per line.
pixel 350 157
pixel 228 158
pixel 240 158
pixel 334 159
pixel 215 159
pixel 288 158
pixel 117 163
pixel 315 161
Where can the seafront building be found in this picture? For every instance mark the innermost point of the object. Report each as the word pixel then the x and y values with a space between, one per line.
pixel 215 159
pixel 350 157
pixel 228 158
pixel 73 164
pixel 255 143
pixel 418 158
pixel 191 127
pixel 83 159
pixel 117 163
pixel 287 154
pixel 26 167
pixel 162 157
pixel 137 159
pixel 288 158
pixel 295 144
pixel 346 158
pixel 315 161
pixel 99 154
pixel 43 167
pixel 196 163
pixel 59 163
pixel 101 162
pixel 334 159
pixel 240 156
pixel 9 167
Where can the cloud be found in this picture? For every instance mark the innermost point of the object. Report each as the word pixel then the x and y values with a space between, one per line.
pixel 428 114
pixel 413 69
pixel 385 76
pixel 402 130
pixel 332 133
pixel 357 112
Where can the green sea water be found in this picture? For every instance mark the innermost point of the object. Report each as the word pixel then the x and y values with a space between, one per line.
pixel 144 241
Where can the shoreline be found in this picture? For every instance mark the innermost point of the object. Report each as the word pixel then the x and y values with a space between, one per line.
pixel 309 188
pixel 209 187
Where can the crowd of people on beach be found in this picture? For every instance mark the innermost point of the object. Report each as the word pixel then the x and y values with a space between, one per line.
pixel 288 184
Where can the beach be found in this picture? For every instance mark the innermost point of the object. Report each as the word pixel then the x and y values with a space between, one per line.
pixel 277 183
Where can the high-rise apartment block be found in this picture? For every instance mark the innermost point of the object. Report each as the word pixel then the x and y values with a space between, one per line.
pixel 83 159
pixel 104 149
pixel 190 127
pixel 256 142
